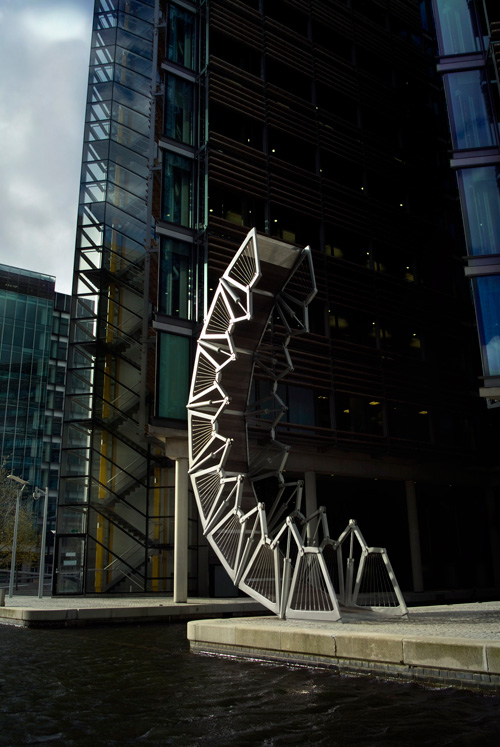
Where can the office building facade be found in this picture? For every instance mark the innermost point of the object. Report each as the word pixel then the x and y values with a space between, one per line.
pixel 33 350
pixel 468 39
pixel 320 123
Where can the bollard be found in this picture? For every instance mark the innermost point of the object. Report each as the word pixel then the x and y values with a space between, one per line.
pixel 2 597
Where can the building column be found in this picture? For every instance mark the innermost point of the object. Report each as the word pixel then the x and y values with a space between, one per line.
pixel 311 498
pixel 414 534
pixel 176 449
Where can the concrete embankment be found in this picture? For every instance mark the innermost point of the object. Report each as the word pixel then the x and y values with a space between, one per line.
pixel 80 611
pixel 450 645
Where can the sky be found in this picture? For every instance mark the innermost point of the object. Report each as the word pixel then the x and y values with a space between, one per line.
pixel 44 58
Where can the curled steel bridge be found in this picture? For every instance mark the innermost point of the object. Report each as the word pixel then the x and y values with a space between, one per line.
pixel 250 514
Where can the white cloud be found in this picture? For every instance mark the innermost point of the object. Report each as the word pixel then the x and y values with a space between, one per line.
pixel 44 53
pixel 49 25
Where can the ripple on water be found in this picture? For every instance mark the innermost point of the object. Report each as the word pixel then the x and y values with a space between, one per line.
pixel 140 685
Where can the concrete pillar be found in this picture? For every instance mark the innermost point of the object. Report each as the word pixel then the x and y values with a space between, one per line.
pixel 176 449
pixel 181 531
pixel 414 534
pixel 311 503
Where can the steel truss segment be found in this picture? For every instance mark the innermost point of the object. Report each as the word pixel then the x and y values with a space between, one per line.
pixel 202 435
pixel 307 284
pixel 244 269
pixel 204 379
pixel 311 591
pixel 229 288
pixel 261 578
pixel 227 535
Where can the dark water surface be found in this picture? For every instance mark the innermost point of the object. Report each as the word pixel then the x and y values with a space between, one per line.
pixel 140 685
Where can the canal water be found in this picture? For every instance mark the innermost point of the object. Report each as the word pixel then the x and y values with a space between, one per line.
pixel 140 685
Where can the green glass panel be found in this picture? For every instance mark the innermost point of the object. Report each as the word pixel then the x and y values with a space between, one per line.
pixel 173 376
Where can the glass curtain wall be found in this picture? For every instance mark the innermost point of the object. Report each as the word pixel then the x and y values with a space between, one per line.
pixel 467 62
pixel 113 487
pixel 179 274
pixel 26 307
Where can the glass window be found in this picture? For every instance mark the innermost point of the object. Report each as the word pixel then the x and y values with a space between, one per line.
pixel 400 338
pixel 301 406
pixel 237 208
pixel 176 278
pixel 173 376
pixel 179 109
pixel 181 39
pixel 346 245
pixel 359 414
pixel 177 189
pixel 481 209
pixel 408 421
pixel 457 27
pixel 472 120
pixel 393 262
pixel 353 326
pixel 487 300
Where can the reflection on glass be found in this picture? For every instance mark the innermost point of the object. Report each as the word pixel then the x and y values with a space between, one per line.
pixel 179 110
pixel 181 46
pixel 176 278
pixel 481 207
pixel 177 190
pixel 471 116
pixel 487 300
pixel 457 27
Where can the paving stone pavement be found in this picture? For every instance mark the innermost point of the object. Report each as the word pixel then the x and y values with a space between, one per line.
pixel 477 620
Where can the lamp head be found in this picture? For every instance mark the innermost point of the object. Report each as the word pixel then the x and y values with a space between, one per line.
pixel 17 479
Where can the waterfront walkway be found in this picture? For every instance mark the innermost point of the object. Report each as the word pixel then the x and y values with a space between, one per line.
pixel 455 645
pixel 30 611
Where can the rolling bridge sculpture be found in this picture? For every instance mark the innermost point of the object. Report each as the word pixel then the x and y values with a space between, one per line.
pixel 250 515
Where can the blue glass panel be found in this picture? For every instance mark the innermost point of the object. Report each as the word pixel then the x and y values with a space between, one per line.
pixel 130 98
pixel 134 80
pixel 126 201
pixel 135 26
pixel 487 300
pixel 181 41
pixel 125 157
pixel 173 376
pixel 130 138
pixel 176 278
pixel 177 189
pixel 457 27
pixel 470 107
pixel 142 10
pixel 129 118
pixel 179 109
pixel 135 44
pixel 125 223
pixel 128 180
pixel 133 61
pixel 481 209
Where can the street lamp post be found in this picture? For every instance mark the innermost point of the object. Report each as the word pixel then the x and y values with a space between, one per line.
pixel 38 494
pixel 20 487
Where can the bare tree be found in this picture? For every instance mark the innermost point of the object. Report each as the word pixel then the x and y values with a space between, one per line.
pixel 27 537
